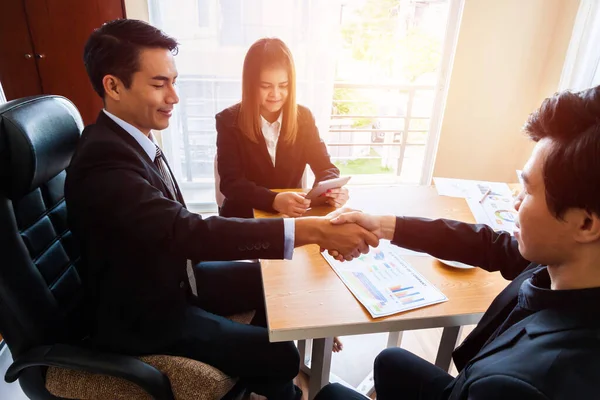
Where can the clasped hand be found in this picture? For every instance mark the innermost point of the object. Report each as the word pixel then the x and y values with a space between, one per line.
pixel 352 232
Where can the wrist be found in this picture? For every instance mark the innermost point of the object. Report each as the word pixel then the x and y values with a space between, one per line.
pixel 388 226
pixel 275 204
pixel 308 230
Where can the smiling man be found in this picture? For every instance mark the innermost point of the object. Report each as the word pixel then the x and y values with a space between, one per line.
pixel 137 237
pixel 540 338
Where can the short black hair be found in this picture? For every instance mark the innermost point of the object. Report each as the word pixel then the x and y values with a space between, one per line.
pixel 113 49
pixel 572 169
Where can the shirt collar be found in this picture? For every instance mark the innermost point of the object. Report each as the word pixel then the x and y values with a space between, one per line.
pixel 267 124
pixel 146 142
pixel 536 295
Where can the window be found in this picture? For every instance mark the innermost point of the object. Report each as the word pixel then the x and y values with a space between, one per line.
pixel 203 13
pixel 387 86
pixel 241 22
pixel 231 29
pixel 582 64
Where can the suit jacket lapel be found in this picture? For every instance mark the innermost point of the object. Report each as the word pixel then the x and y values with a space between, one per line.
pixel 507 338
pixel 543 322
pixel 284 150
pixel 282 153
pixel 264 152
pixel 105 120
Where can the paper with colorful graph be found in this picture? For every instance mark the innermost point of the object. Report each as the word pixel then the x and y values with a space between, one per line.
pixel 384 283
pixel 496 211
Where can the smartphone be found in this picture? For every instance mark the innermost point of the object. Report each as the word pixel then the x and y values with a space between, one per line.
pixel 324 186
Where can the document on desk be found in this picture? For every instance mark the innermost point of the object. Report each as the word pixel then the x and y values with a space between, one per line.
pixel 469 189
pixel 384 283
pixel 496 211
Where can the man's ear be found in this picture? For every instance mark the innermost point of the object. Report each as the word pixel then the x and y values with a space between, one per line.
pixel 113 87
pixel 588 226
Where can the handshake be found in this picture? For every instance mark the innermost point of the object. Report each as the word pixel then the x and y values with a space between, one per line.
pixel 345 233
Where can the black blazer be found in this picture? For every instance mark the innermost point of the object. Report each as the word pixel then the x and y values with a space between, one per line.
pixel 551 354
pixel 136 240
pixel 247 172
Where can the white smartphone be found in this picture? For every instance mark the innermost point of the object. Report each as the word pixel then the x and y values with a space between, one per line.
pixel 324 186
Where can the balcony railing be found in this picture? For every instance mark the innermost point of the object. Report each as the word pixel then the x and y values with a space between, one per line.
pixel 376 130
pixel 398 121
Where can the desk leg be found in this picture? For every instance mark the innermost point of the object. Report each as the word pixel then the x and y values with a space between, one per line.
pixel 305 350
pixel 394 339
pixel 320 365
pixel 448 342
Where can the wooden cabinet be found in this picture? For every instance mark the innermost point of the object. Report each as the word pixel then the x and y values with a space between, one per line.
pixel 41 48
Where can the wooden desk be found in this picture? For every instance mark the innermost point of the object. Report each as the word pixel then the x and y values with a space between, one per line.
pixel 306 300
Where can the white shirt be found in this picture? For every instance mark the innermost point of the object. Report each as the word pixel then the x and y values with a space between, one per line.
pixel 147 142
pixel 271 133
pixel 149 146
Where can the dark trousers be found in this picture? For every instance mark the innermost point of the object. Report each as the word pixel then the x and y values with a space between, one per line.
pixel 244 351
pixel 399 375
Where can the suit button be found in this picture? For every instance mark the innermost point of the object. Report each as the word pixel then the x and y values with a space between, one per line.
pixel 181 284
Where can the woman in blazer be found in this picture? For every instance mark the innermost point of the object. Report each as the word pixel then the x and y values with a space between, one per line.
pixel 265 141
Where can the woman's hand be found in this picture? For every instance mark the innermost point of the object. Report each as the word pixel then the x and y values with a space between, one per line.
pixel 292 204
pixel 337 197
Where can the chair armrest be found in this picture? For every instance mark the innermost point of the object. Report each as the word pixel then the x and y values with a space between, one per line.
pixel 81 359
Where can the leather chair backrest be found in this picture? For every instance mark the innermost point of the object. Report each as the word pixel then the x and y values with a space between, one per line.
pixel 41 295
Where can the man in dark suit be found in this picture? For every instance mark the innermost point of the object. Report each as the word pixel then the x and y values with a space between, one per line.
pixel 138 238
pixel 540 338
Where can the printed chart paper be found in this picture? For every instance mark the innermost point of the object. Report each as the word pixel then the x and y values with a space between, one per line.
pixel 384 283
pixel 496 211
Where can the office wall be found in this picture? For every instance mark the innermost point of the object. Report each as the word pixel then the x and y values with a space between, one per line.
pixel 509 57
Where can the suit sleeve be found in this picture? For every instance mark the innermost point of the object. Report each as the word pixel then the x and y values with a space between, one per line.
pixel 473 244
pixel 234 184
pixel 110 195
pixel 500 387
pixel 316 151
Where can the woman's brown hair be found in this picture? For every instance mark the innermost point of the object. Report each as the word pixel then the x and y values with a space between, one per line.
pixel 267 53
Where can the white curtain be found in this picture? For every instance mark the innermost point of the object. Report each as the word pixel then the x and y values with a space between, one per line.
pixel 214 36
pixel 581 69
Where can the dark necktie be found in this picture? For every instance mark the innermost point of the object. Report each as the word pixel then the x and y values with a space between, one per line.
pixel 161 163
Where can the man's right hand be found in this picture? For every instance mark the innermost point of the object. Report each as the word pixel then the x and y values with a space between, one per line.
pixel 383 226
pixel 348 240
pixel 292 204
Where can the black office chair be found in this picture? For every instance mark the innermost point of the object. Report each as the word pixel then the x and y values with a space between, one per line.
pixel 42 307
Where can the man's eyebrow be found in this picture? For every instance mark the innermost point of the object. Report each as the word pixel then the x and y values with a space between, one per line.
pixel 161 78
